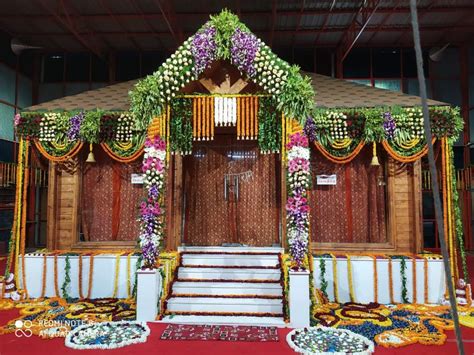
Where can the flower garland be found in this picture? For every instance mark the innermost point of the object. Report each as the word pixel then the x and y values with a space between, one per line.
pixel 117 274
pixel 269 126
pixel 45 274
pixel 224 37
pixel 56 285
pixel 322 276
pixel 390 280
pixel 349 279
pixel 335 280
pixel 67 279
pixel 403 274
pixel 298 180
pixel 376 278
pixel 225 111
pixel 152 210
pixel 181 130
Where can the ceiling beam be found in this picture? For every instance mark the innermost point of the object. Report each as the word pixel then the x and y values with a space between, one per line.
pixel 420 17
pixel 183 15
pixel 357 26
pixel 70 27
pixel 169 16
pixel 137 8
pixel 298 24
pixel 386 18
pixel 274 17
pixel 286 32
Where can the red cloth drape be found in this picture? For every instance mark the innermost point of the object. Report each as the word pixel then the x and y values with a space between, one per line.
pixel 109 200
pixel 353 210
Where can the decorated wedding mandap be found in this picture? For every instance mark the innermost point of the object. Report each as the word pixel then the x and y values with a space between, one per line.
pixel 258 194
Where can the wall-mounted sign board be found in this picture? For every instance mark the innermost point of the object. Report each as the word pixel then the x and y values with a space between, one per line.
pixel 326 179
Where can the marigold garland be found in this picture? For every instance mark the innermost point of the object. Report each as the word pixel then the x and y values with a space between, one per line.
pixel 376 279
pixel 405 159
pixel 45 271
pixel 413 261
pixel 339 160
pixel 91 276
pixel 56 285
pixel 425 274
pixel 116 278
pixel 58 159
pixel 129 284
pixel 120 159
pixel 335 281
pixel 390 280
pixel 23 220
pixel 349 279
pixel 81 296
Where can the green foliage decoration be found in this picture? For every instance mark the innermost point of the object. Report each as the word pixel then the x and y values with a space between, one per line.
pixel 181 130
pixel 269 126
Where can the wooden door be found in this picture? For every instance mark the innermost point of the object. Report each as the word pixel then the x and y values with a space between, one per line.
pixel 231 194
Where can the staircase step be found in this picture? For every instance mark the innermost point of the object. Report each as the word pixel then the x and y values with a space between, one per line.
pixel 220 259
pixel 214 273
pixel 230 319
pixel 227 288
pixel 207 295
pixel 241 249
pixel 201 305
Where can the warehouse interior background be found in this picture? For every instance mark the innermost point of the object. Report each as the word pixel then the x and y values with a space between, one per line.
pixel 80 45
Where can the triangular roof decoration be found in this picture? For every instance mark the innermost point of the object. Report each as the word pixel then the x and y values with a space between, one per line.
pixel 224 37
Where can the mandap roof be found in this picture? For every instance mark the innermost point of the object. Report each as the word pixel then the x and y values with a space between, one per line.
pixel 330 93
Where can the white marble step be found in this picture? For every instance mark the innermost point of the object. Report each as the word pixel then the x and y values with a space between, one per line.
pixel 227 320
pixel 229 260
pixel 227 288
pixel 217 304
pixel 215 273
pixel 240 249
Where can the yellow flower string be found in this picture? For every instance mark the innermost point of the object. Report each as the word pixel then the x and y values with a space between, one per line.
pixel 376 279
pixel 413 261
pixel 19 201
pixel 390 280
pixel 56 286
pixel 334 275
pixel 81 296
pixel 23 220
pixel 349 278
pixel 45 274
pixel 129 284
pixel 117 271
pixel 91 276
pixel 425 273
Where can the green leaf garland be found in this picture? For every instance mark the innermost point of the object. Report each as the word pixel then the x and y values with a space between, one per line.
pixel 269 126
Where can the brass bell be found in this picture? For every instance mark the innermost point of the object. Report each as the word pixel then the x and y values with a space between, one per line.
pixel 375 160
pixel 90 157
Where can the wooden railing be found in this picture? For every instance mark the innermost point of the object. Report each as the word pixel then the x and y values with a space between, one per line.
pixel 37 176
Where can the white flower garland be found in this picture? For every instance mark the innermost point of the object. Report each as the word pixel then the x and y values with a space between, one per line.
pixel 225 111
pixel 313 337
pixel 126 123
pixel 47 131
pixel 120 333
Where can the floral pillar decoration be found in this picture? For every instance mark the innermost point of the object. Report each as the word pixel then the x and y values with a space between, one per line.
pixel 152 211
pixel 298 181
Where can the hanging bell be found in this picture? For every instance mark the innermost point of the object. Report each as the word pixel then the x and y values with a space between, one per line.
pixel 90 157
pixel 375 160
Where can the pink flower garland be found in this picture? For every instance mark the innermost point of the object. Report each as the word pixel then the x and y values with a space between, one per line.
pixel 297 208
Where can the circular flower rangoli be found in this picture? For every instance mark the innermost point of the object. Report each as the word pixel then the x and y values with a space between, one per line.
pixel 107 335
pixel 324 340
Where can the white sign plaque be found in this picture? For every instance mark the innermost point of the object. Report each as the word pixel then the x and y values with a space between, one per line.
pixel 137 179
pixel 326 179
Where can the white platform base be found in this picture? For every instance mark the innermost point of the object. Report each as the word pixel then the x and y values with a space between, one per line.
pixel 299 301
pixel 103 275
pixel 148 294
pixel 363 279
pixel 219 320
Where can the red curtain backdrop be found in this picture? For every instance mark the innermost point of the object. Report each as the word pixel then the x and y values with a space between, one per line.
pixel 353 210
pixel 109 200
pixel 249 218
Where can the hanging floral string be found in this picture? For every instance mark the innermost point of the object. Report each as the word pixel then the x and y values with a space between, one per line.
pixel 298 181
pixel 152 210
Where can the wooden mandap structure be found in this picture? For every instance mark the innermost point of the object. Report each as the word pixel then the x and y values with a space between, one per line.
pixel 242 158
